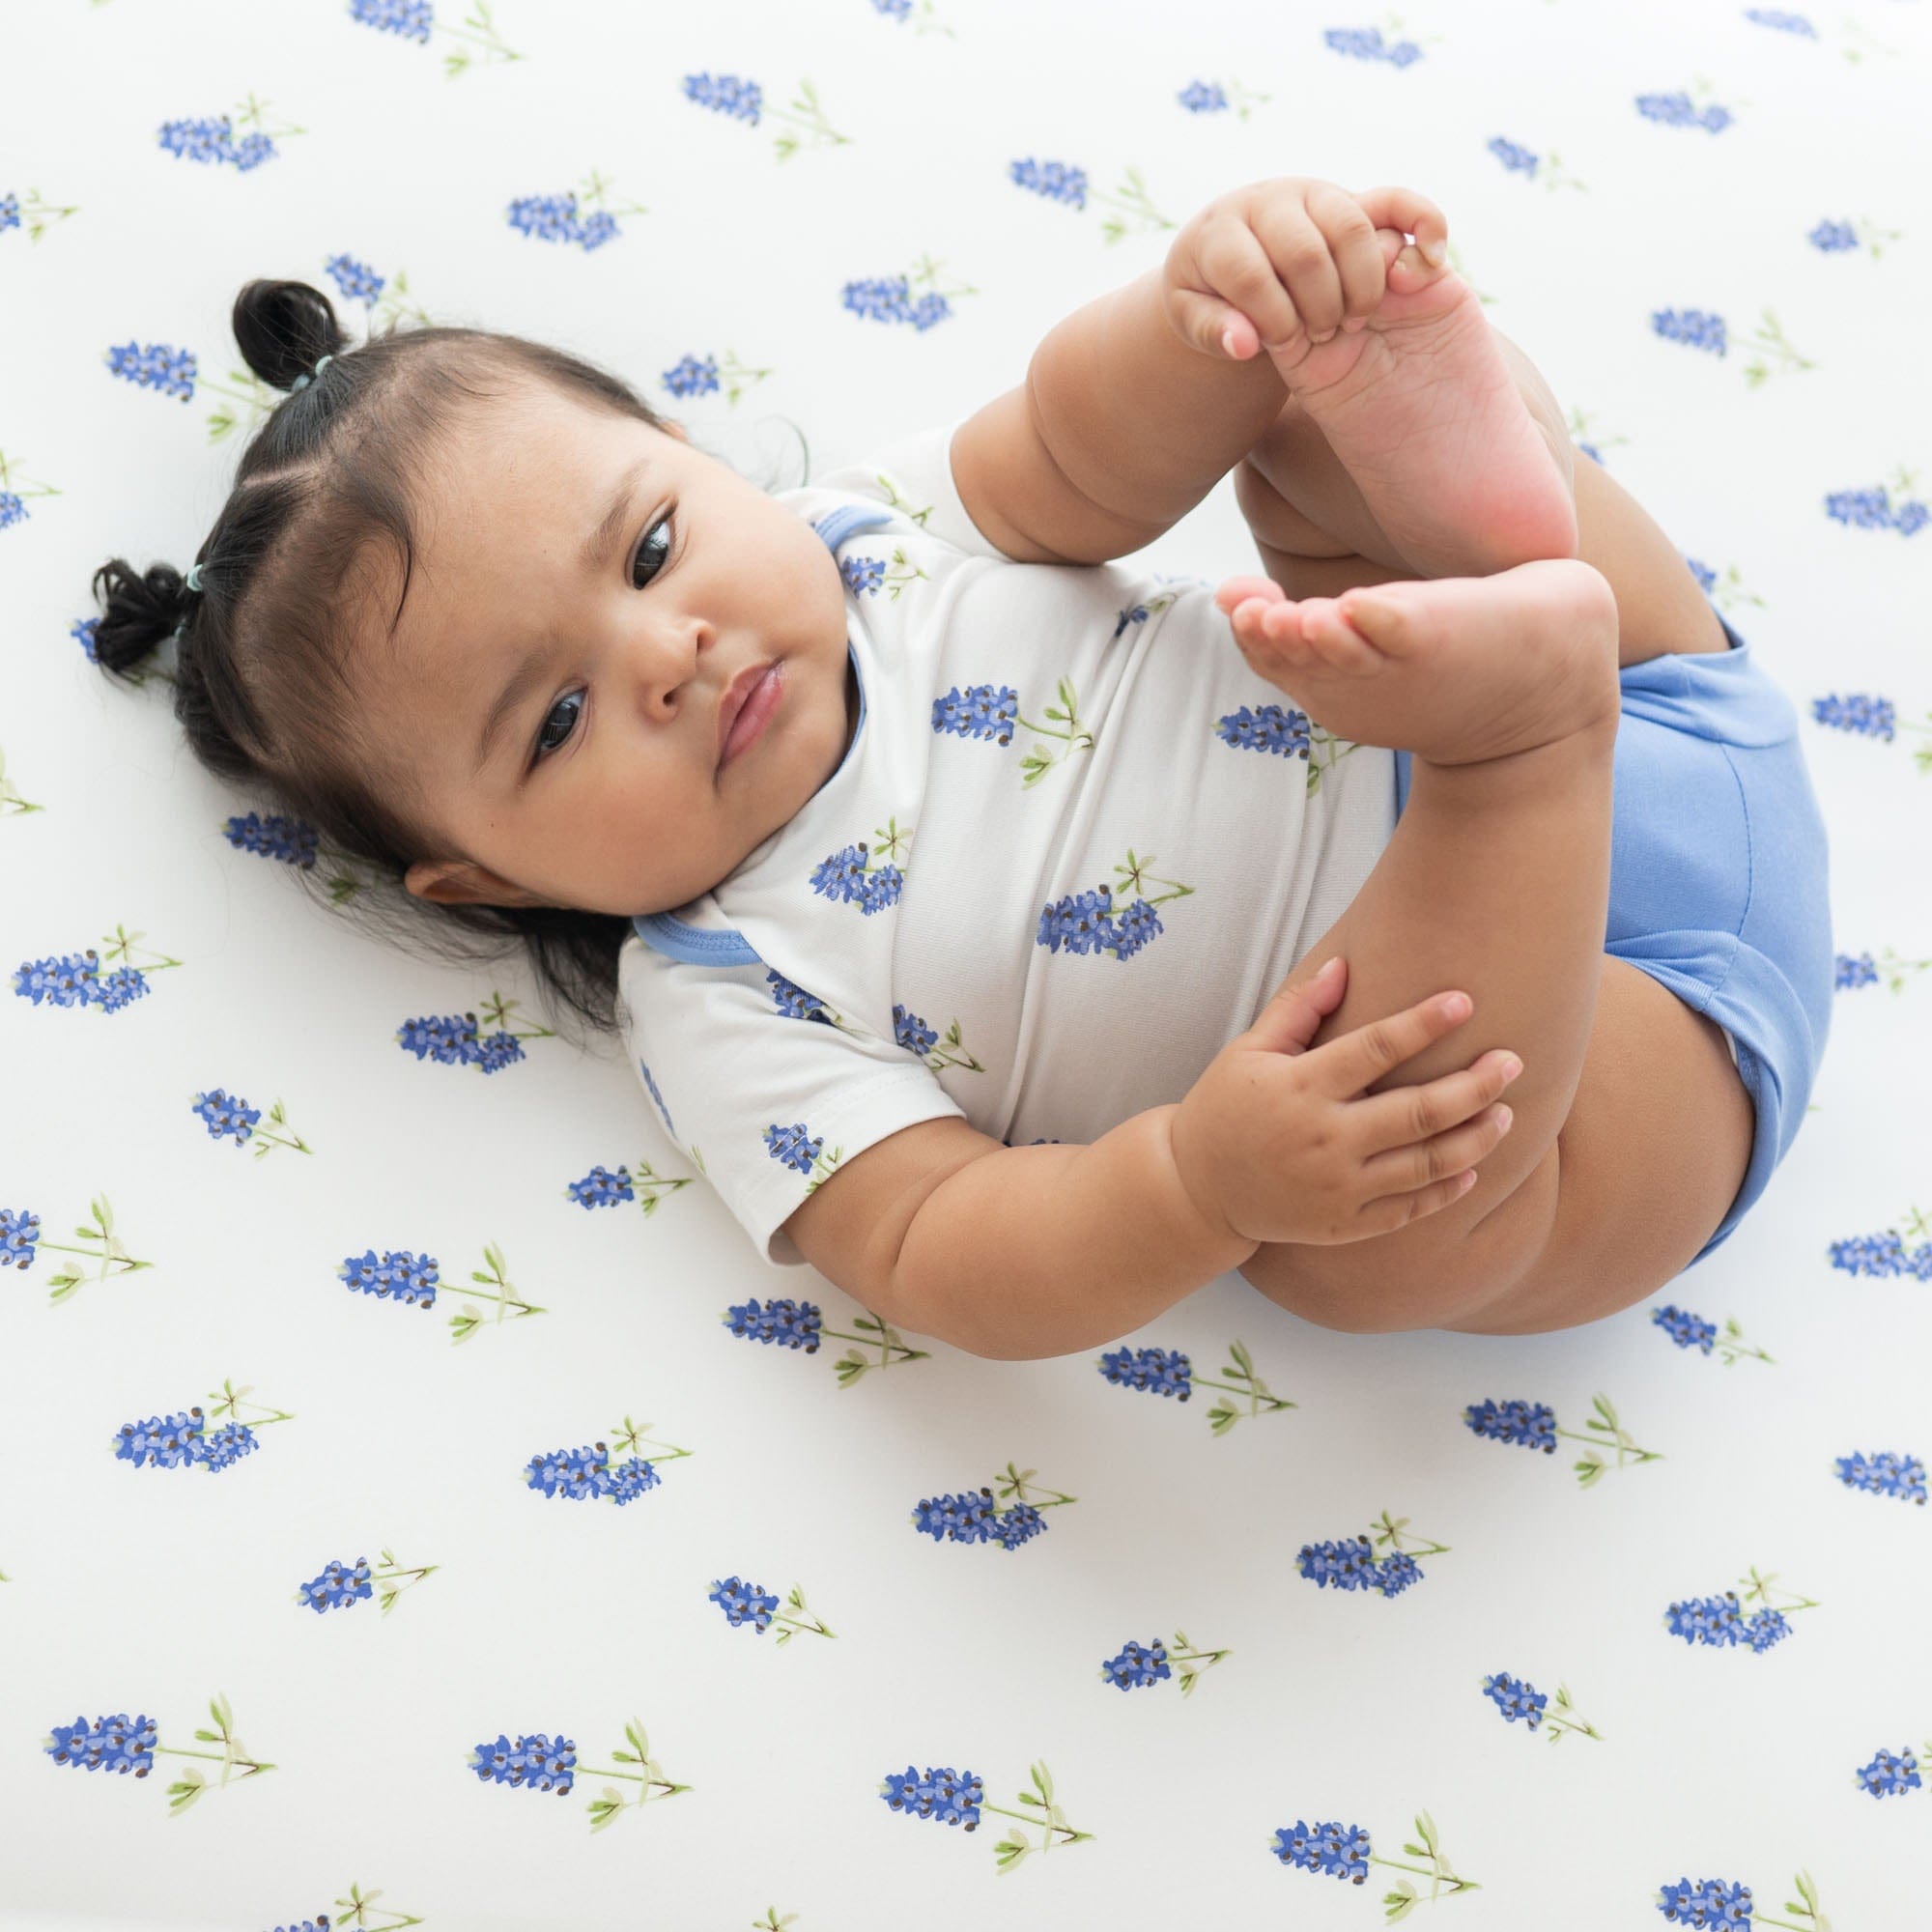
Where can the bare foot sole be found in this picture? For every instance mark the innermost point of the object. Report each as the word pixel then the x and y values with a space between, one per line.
pixel 1451 668
pixel 1428 418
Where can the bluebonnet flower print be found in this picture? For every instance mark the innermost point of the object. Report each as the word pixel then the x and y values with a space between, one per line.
pixel 115 1745
pixel 851 877
pixel 1351 1564
pixel 559 217
pixel 699 376
pixel 342 1586
pixel 1679 110
pixel 1874 509
pixel 536 1763
pixel 800 1326
pixel 585 1475
pixel 1366 44
pixel 212 139
pixel 1064 182
pixel 1699 329
pixel 1693 1331
pixel 990 712
pixel 1533 1426
pixel 745 1604
pixel 414 20
pixel 223 1115
pixel 603 1187
pixel 1089 923
pixel 1837 238
pixel 1884 1474
pixel 360 1905
pixel 21 1240
pixel 400 1277
pixel 1710 1901
pixel 1863 970
pixel 1518 1700
pixel 75 980
pixel 1345 1852
pixel 1547 169
pixel 1284 733
pixel 275 836
pixel 181 1441
pixel 889 299
pixel 741 99
pixel 1169 1372
pixel 1889 1776
pixel 1783 22
pixel 917 1038
pixel 454 1038
pixel 867 576
pixel 1211 96
pixel 1720 1622
pixel 975 1517
pixel 38 212
pixel 1883 1255
pixel 795 1147
pixel 959 1799
pixel 1135 1666
pixel 1726 592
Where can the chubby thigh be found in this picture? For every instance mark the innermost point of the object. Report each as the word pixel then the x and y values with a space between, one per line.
pixel 1647 1163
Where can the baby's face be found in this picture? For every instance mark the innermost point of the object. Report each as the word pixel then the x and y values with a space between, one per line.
pixel 601 788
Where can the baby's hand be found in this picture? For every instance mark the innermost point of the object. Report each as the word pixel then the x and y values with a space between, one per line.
pixel 1282 264
pixel 1276 1140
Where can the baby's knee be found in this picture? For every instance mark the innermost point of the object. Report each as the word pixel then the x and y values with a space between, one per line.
pixel 1422 1276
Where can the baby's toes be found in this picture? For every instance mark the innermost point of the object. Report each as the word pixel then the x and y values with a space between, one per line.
pixel 1389 624
pixel 1334 639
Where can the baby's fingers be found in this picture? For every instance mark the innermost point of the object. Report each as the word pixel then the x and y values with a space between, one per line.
pixel 1352 1061
pixel 1406 1115
pixel 1445 1157
pixel 1398 1211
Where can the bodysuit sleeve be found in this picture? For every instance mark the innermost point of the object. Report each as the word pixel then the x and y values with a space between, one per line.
pixel 913 474
pixel 764 1092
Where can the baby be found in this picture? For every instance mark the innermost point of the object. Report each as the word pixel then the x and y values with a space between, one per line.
pixel 815 793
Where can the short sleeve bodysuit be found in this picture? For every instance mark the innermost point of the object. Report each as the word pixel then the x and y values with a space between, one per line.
pixel 1074 847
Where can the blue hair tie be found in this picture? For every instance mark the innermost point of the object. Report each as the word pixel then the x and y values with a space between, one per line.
pixel 302 382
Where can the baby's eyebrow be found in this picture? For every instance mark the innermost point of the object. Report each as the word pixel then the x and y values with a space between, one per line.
pixel 530 663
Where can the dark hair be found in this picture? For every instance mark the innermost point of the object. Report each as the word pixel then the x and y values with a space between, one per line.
pixel 261 678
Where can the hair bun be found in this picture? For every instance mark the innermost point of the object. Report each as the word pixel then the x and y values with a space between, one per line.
pixel 284 330
pixel 140 610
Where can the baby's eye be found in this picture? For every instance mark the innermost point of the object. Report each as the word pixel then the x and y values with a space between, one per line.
pixel 664 523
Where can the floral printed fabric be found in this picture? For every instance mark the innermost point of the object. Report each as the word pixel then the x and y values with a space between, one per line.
pixel 419 1506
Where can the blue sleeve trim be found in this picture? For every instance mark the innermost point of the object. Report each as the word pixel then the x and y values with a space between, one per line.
pixel 695 944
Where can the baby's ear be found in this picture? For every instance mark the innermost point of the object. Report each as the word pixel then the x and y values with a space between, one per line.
pixel 453 883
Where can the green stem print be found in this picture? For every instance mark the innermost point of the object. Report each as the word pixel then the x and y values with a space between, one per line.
pixel 882 1336
pixel 509 1303
pixel 20 1241
pixel 1772 348
pixel 358 1903
pixel 1590 1465
pixel 1254 1393
pixel 9 799
pixel 649 1775
pixel 1042 760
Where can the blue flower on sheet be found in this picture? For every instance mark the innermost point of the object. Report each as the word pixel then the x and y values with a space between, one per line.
pixel 339 1587
pixel 531 1762
pixel 1366 44
pixel 943 1793
pixel 1884 1474
pixel 1784 23
pixel 210 139
pixel 1873 510
pixel 1517 1699
pixel 975 1517
pixel 75 980
pixel 1889 1776
pixel 1720 1623
pixel 275 836
pixel 1533 1426
pixel 180 1441
pixel 1693 1331
pixel 1883 1255
pixel 1677 111
pixel 786 1322
pixel 583 1475
pixel 1345 1852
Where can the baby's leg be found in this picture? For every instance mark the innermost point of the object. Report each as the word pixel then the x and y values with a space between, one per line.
pixel 1631 1127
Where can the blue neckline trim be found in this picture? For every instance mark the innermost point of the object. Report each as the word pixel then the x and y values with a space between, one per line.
pixel 706 946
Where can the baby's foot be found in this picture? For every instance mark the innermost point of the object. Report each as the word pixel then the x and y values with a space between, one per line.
pixel 1427 418
pixel 1454 668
